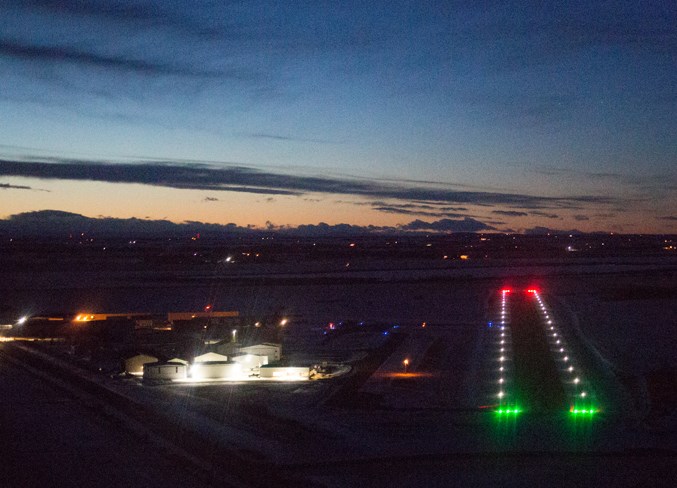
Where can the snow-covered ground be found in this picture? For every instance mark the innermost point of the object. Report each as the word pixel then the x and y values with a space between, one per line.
pixel 620 319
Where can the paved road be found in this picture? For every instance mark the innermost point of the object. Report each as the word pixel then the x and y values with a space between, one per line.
pixel 49 438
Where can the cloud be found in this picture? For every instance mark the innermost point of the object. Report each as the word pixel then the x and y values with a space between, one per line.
pixel 597 175
pixel 545 214
pixel 581 217
pixel 56 222
pixel 324 229
pixel 282 138
pixel 510 213
pixel 210 199
pixel 64 54
pixel 132 10
pixel 414 209
pixel 200 176
pixel 448 225
pixel 667 217
pixel 535 37
pixel 7 186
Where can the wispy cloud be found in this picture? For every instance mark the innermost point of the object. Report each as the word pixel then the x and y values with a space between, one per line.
pixel 436 210
pixel 64 54
pixel 284 138
pixel 510 213
pixel 544 214
pixel 197 176
pixel 8 186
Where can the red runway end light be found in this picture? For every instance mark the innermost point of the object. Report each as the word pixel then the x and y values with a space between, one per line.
pixel 532 290
pixel 506 290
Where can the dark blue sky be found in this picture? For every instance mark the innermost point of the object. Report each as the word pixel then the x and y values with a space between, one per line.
pixel 522 114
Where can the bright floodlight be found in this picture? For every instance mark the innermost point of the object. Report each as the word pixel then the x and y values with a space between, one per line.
pixel 22 320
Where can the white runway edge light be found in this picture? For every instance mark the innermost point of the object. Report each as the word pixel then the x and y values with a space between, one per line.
pixel 575 385
pixel 503 380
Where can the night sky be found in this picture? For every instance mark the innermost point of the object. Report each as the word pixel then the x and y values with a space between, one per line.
pixel 459 115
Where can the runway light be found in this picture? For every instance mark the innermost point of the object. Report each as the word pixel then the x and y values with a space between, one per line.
pixel 583 411
pixel 508 411
pixel 577 380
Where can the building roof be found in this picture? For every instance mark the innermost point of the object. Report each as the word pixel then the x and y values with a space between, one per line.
pixel 210 357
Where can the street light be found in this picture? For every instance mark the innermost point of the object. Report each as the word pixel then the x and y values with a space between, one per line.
pixel 405 363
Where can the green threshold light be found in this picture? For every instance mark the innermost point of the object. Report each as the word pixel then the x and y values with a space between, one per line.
pixel 583 411
pixel 509 411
